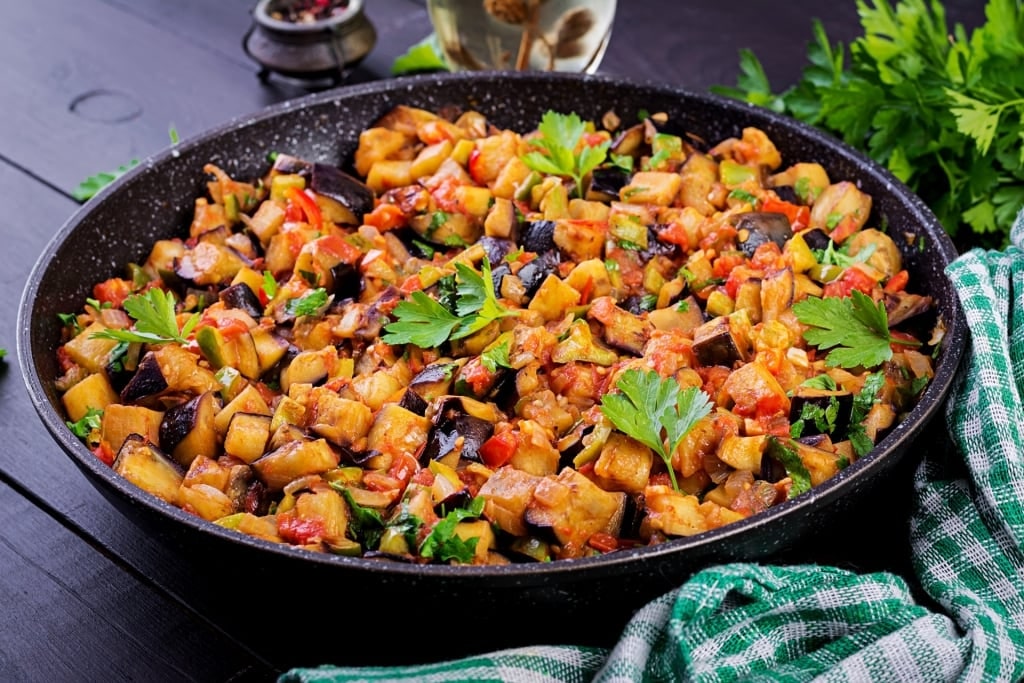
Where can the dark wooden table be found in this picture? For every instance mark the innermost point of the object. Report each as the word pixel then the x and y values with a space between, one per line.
pixel 90 84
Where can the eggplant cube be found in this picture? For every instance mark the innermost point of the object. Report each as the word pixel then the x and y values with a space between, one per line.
pixel 716 343
pixel 340 420
pixel 742 452
pixel 149 468
pixel 673 513
pixel 575 508
pixel 396 431
pixel 293 460
pixel 624 464
pixel 247 436
pixel 507 494
pixel 119 421
pixel 188 429
pixel 92 392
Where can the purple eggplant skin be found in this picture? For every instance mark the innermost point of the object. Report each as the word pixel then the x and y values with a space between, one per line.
pixel 816 238
pixel 498 273
pixel 496 249
pixel 788 194
pixel 348 281
pixel 451 421
pixel 147 381
pixel 537 236
pixel 772 470
pixel 241 296
pixel 459 499
pixel 760 227
pixel 413 402
pixel 289 165
pixel 434 380
pixel 656 247
pixel 609 180
pixel 177 423
pixel 718 346
pixel 331 181
pixel 534 272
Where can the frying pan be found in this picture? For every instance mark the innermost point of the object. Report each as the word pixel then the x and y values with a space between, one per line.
pixel 445 611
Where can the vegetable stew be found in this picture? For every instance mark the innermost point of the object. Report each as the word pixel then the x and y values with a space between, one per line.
pixel 480 346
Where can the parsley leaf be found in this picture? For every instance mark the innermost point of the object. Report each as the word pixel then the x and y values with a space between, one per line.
pixel 824 419
pixel 820 382
pixel 442 543
pixel 427 323
pixel 855 328
pixel 89 187
pixel 787 455
pixel 155 320
pixel 365 525
pixel 70 320
pixel 653 410
pixel 310 303
pixel 496 357
pixel 86 424
pixel 862 403
pixel 560 135
pixel 422 322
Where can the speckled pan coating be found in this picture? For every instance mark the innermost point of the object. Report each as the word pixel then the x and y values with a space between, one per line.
pixel 155 201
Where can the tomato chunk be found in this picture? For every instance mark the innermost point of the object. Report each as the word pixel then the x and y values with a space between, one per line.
pixel 499 449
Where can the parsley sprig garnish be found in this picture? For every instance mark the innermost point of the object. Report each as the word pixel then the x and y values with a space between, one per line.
pixel 442 543
pixel 155 320
pixel 87 424
pixel 497 357
pixel 854 327
pixel 560 135
pixel 310 303
pixel 655 411
pixel 785 453
pixel 862 403
pixel 426 323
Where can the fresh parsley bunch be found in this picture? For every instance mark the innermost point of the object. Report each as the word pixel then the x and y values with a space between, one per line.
pixel 941 109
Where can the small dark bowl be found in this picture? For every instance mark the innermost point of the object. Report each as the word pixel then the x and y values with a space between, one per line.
pixel 578 601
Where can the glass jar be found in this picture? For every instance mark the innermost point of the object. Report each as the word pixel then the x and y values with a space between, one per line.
pixel 539 35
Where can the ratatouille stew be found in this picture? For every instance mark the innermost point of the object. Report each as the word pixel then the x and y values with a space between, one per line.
pixel 476 346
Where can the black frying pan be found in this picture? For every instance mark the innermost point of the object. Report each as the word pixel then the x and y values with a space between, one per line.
pixel 449 611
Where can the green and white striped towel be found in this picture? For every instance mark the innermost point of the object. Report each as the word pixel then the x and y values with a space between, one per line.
pixel 748 622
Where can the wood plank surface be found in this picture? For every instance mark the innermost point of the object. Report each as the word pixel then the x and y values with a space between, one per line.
pixel 111 91
pixel 71 614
